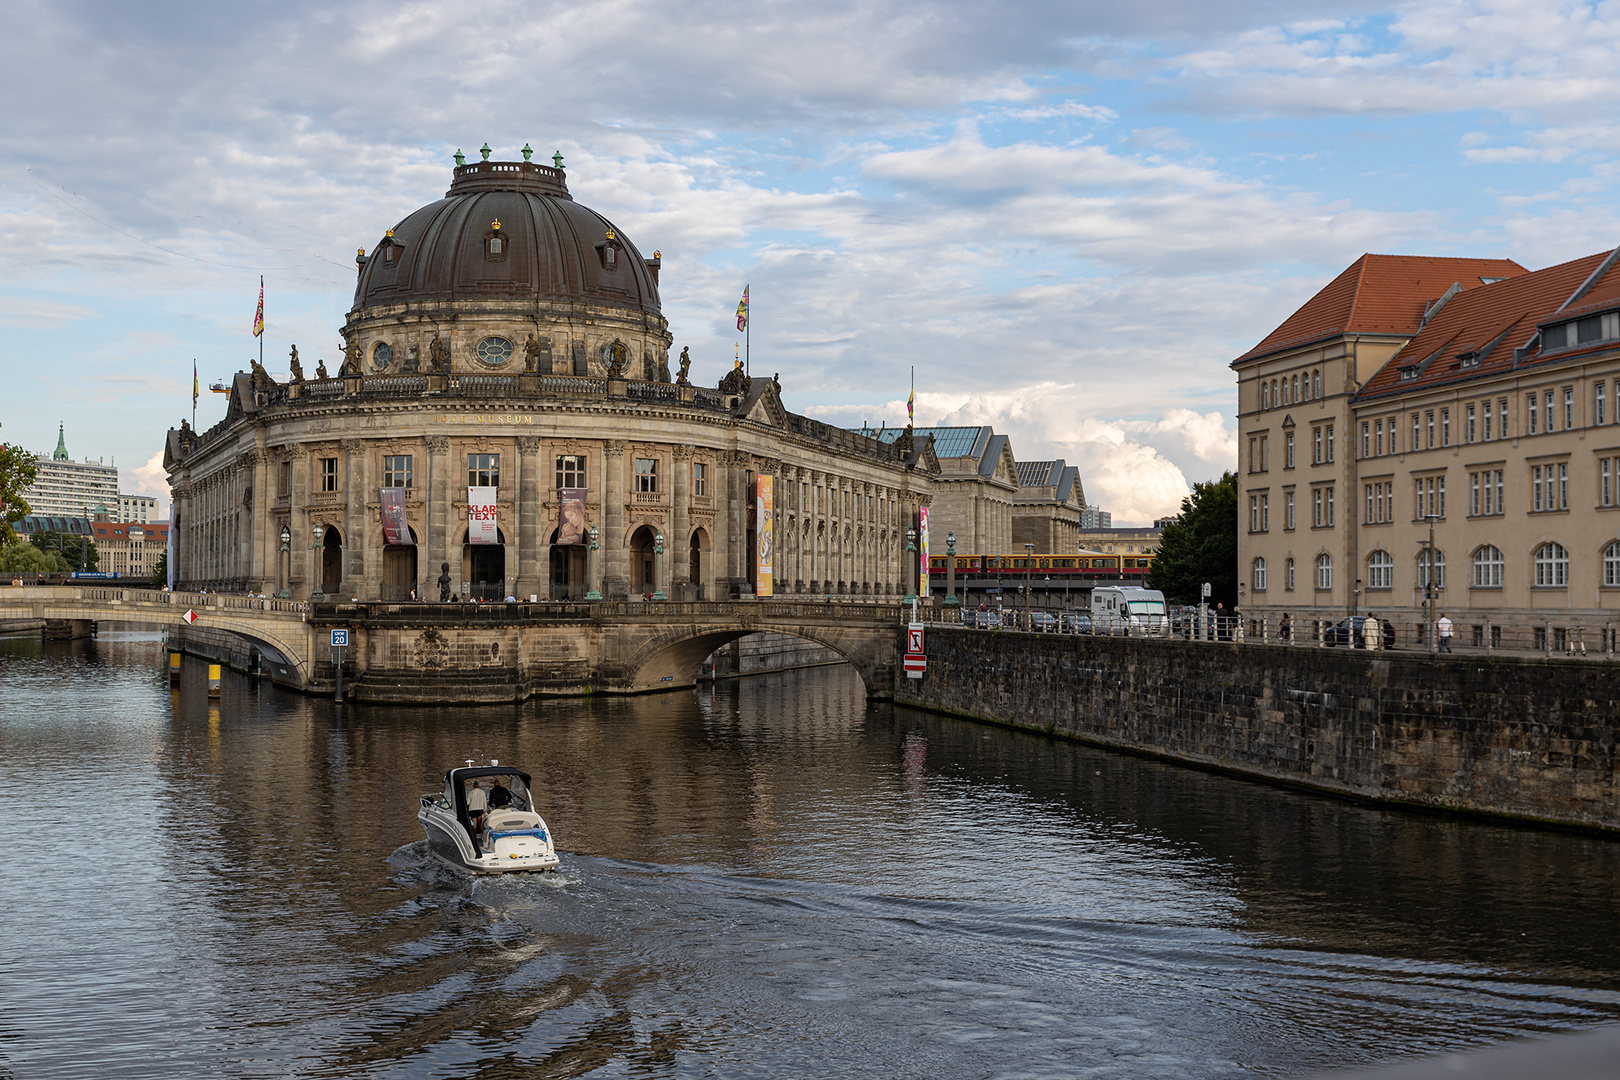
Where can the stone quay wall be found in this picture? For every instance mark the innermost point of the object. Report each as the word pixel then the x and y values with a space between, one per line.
pixel 1532 739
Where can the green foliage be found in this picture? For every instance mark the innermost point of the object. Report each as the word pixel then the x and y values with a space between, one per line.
pixel 160 572
pixel 1201 545
pixel 17 471
pixel 23 558
pixel 79 551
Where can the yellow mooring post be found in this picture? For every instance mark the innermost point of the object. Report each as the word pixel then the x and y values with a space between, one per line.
pixel 174 668
pixel 213 680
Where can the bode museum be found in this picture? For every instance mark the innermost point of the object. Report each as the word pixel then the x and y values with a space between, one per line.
pixel 506 422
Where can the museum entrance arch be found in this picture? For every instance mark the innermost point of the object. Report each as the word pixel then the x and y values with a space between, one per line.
pixel 643 562
pixel 399 569
pixel 697 561
pixel 483 569
pixel 331 560
pixel 568 581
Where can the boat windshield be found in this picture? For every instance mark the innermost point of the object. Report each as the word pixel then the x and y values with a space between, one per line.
pixel 513 794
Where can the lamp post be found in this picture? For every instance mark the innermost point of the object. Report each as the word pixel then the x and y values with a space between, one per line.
pixel 284 593
pixel 1426 579
pixel 658 565
pixel 319 570
pixel 593 594
pixel 1029 565
pixel 950 570
pixel 911 552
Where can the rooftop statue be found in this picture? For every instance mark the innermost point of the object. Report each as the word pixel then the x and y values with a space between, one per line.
pixel 438 356
pixel 531 354
pixel 351 360
pixel 686 367
pixel 297 368
pixel 320 369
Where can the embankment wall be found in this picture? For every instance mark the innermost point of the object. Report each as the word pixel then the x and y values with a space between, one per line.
pixel 1524 738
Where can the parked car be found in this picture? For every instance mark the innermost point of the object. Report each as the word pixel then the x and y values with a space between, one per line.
pixel 1044 622
pixel 1347 631
pixel 1077 622
pixel 986 620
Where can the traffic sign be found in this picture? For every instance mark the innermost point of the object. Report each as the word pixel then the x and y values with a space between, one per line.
pixel 190 616
pixel 340 639
pixel 915 664
pixel 914 638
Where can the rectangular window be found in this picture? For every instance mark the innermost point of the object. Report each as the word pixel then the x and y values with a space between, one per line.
pixel 1316 498
pixel 1263 448
pixel 1569 408
pixel 1563 485
pixel 1265 513
pixel 1254 513
pixel 646 474
pixel 1487 422
pixel 1330 442
pixel 1606 489
pixel 483 470
pixel 1469 433
pixel 1535 487
pixel 1369 490
pixel 1598 405
pixel 1501 507
pixel 1502 431
pixel 1417 431
pixel 1366 439
pixel 1549 405
pixel 328 474
pixel 571 471
pixel 1445 427
pixel 700 478
pixel 1473 494
pixel 1431 430
pixel 284 483
pixel 1288 510
pixel 1316 456
pixel 1378 438
pixel 1288 450
pixel 1440 487
pixel 397 470
pixel 1330 506
pixel 1394 446
pixel 1254 455
pixel 1530 413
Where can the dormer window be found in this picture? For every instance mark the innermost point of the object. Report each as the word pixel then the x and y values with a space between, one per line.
pixel 1593 328
pixel 495 243
pixel 609 249
pixel 389 249
pixel 1468 360
pixel 1408 372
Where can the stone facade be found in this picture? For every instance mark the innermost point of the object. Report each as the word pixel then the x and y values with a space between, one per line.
pixel 1521 738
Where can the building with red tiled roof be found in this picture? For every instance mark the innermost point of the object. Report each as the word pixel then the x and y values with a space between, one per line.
pixel 1488 419
pixel 128 549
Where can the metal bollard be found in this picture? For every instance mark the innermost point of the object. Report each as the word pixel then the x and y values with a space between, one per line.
pixel 174 668
pixel 213 680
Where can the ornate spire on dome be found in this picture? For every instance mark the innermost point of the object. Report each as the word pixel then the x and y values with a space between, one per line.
pixel 61 453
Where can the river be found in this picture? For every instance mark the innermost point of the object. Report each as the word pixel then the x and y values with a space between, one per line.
pixel 771 878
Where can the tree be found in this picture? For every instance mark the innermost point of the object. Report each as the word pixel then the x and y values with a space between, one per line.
pixel 79 551
pixel 1201 545
pixel 17 472
pixel 25 558
pixel 160 572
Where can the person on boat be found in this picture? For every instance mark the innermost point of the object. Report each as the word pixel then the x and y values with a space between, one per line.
pixel 477 803
pixel 499 797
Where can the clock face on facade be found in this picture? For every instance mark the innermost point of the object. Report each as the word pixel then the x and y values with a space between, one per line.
pixel 494 351
pixel 380 356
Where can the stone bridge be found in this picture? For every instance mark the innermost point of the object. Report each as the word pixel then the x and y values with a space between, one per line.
pixel 427 652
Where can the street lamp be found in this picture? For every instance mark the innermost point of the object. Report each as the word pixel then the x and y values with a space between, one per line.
pixel 658 565
pixel 319 570
pixel 1029 563
pixel 284 593
pixel 593 594
pixel 1426 579
pixel 950 572
pixel 911 550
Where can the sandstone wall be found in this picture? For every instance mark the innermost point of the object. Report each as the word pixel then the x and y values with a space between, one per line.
pixel 1523 738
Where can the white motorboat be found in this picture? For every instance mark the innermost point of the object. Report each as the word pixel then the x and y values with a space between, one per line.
pixel 484 821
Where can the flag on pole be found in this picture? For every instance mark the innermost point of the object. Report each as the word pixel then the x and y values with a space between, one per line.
pixel 742 310
pixel 196 389
pixel 910 401
pixel 258 316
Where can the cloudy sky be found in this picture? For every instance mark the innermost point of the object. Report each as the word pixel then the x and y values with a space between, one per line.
pixel 1067 217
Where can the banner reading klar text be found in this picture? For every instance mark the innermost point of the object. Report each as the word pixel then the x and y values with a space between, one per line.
pixel 481 527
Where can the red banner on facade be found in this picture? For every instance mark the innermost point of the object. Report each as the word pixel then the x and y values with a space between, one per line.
pixel 395 531
pixel 571 525
pixel 481 527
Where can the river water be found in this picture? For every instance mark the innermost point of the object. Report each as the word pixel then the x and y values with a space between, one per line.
pixel 769 879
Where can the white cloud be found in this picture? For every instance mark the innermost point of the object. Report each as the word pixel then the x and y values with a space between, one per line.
pixel 37 314
pixel 148 479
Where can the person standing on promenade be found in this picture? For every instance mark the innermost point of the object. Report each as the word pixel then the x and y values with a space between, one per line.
pixel 1443 629
pixel 1370 631
pixel 1285 630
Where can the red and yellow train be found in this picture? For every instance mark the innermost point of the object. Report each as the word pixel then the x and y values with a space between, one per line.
pixel 1083 566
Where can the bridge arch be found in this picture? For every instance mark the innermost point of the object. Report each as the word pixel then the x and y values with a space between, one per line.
pixel 674 657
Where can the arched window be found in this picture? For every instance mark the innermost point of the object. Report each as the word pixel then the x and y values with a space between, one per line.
pixel 1324 571
pixel 1611 564
pixel 1288 573
pixel 1437 558
pixel 1488 567
pixel 1552 566
pixel 1293 394
pixel 1380 570
pixel 1259 575
pixel 1316 390
pixel 1265 394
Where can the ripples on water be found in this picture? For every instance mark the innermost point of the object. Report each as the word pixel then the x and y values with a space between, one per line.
pixel 772 879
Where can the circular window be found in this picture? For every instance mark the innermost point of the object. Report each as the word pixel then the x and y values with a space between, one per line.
pixel 380 355
pixel 494 351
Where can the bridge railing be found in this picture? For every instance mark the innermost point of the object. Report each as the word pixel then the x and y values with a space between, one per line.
pixel 383 614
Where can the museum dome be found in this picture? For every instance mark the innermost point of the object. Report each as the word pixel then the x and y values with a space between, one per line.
pixel 507 230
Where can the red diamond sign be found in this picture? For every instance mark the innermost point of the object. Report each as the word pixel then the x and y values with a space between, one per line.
pixel 190 616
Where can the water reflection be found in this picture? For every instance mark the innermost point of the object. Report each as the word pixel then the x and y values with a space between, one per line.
pixel 767 878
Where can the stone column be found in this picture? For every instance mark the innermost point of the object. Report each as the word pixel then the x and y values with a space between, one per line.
pixel 533 549
pixel 814 506
pixel 740 496
pixel 615 549
pixel 679 541
pixel 259 570
pixel 438 539
pixel 299 582
pixel 362 576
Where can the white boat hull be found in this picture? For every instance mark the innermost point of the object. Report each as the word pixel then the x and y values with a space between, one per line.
pixel 516 851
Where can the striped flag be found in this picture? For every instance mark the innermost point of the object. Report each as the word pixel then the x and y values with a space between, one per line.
pixel 910 401
pixel 258 316
pixel 196 388
pixel 742 310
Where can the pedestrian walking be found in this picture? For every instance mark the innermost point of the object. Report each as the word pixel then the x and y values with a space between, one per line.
pixel 1370 631
pixel 1285 630
pixel 1443 631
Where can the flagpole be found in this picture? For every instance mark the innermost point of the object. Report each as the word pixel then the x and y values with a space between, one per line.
pixel 261 325
pixel 748 338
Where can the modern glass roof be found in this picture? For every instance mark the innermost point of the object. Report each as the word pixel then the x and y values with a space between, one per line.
pixel 948 441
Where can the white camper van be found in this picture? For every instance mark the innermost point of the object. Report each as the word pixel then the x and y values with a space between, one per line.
pixel 1129 610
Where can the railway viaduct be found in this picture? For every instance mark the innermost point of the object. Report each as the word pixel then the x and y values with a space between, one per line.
pixel 425 652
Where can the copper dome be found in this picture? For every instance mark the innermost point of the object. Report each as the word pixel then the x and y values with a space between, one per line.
pixel 507 230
